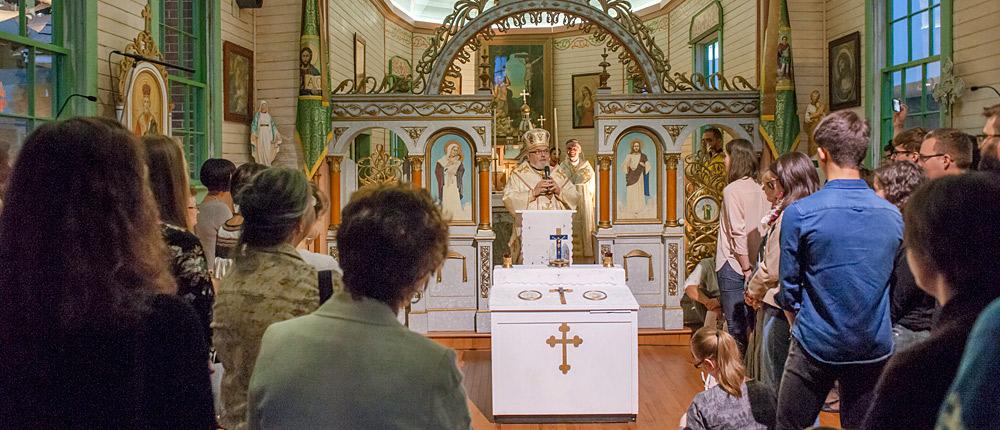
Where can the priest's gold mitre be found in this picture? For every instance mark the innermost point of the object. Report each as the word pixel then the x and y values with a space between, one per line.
pixel 536 137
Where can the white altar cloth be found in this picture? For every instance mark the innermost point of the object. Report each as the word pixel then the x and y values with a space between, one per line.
pixel 572 362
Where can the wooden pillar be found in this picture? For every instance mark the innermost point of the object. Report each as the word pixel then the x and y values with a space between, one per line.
pixel 604 161
pixel 334 191
pixel 484 161
pixel 416 171
pixel 670 160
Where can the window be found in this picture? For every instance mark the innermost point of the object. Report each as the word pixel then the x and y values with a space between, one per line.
pixel 183 42
pixel 31 56
pixel 708 58
pixel 913 62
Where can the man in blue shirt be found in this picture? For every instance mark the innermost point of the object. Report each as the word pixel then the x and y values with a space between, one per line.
pixel 837 252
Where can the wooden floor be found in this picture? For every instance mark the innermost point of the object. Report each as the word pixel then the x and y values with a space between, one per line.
pixel 667 383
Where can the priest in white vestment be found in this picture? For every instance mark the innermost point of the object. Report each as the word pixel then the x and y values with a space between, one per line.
pixel 581 174
pixel 528 188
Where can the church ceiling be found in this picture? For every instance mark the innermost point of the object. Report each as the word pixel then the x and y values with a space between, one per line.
pixel 435 11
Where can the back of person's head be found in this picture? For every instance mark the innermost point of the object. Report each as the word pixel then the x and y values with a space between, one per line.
pixel 168 178
pixel 951 225
pixel 275 207
pixel 743 161
pixel 910 139
pixel 79 237
pixel 216 174
pixel 845 137
pixel 391 238
pixel 899 180
pixel 797 176
pixel 956 144
pixel 242 176
pixel 710 343
pixel 5 171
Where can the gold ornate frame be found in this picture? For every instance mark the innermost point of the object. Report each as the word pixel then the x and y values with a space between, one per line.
pixel 658 167
pixel 474 171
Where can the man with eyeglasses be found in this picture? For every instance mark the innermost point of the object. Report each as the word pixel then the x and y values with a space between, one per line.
pixel 536 185
pixel 989 141
pixel 906 145
pixel 945 151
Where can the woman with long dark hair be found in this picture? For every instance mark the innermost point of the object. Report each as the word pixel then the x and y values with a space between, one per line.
pixel 268 283
pixel 790 178
pixel 169 182
pixel 93 336
pixel 743 206
pixel 229 233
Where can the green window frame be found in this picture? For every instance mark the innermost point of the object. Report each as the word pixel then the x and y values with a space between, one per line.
pixel 708 57
pixel 35 85
pixel 183 40
pixel 918 40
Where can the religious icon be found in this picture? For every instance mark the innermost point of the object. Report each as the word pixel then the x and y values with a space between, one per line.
pixel 784 59
pixel 583 99
pixel 814 113
pixel 310 79
pixel 637 178
pixel 707 210
pixel 238 73
pixel 518 71
pixel 264 136
pixel 845 72
pixel 451 184
pixel 146 122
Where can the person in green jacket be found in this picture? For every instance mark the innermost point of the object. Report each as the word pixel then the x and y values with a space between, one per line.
pixel 351 364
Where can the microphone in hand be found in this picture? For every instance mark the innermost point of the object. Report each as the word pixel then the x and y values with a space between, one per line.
pixel 548 190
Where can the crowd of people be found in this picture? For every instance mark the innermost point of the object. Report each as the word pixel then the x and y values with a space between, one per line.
pixel 120 297
pixel 873 288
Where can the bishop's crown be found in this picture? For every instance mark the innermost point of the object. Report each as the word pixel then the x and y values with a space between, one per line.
pixel 536 137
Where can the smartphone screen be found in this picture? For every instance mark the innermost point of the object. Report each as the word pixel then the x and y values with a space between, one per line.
pixel 896 105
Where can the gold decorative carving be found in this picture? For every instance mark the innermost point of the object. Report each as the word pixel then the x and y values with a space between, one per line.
pixel 381 110
pixel 737 107
pixel 674 131
pixel 145 45
pixel 705 178
pixel 334 251
pixel 604 161
pixel 380 168
pixel 565 341
pixel 481 131
pixel 605 249
pixel 414 132
pixel 334 163
pixel 338 131
pixel 672 269
pixel 670 160
pixel 749 128
pixel 416 163
pixel 452 255
pixel 483 162
pixel 608 129
pixel 638 253
pixel 485 271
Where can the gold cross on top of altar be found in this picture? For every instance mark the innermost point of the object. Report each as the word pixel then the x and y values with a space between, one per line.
pixel 541 121
pixel 562 294
pixel 524 94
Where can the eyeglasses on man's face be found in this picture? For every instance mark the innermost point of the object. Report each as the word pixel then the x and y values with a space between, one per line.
pixel 540 151
pixel 924 158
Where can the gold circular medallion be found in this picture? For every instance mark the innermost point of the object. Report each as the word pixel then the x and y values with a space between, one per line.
pixel 595 295
pixel 529 295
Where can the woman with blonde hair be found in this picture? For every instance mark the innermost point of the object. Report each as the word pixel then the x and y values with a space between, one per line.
pixel 733 402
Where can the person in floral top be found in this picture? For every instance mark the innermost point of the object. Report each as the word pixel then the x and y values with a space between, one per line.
pixel 168 180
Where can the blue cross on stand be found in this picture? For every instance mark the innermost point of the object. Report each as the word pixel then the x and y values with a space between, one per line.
pixel 560 260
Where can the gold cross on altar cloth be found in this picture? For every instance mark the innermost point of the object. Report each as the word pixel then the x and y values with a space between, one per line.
pixel 565 341
pixel 524 94
pixel 562 294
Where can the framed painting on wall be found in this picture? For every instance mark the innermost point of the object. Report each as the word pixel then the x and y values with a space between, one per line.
pixel 584 89
pixel 237 69
pixel 451 167
pixel 520 72
pixel 147 111
pixel 359 58
pixel 845 72
pixel 637 178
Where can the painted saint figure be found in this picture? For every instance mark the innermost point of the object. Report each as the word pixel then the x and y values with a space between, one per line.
pixel 264 136
pixel 585 108
pixel 814 113
pixel 784 59
pixel 309 76
pixel 581 174
pixel 146 122
pixel 450 173
pixel 636 167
